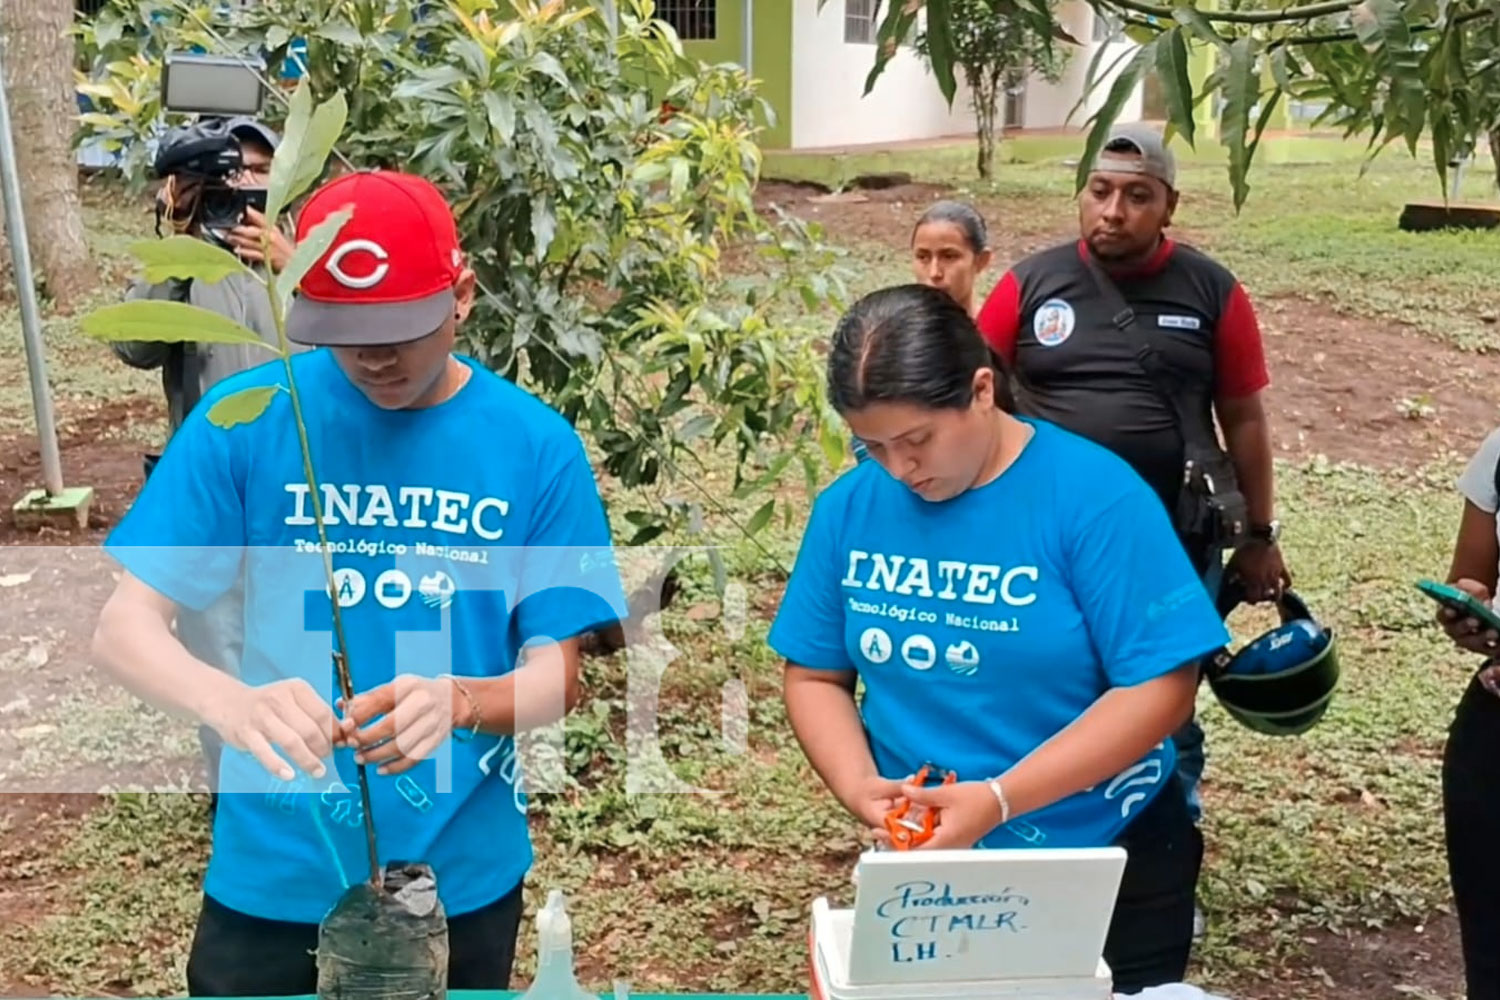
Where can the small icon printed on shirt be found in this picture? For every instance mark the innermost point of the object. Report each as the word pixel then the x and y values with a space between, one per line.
pixel 1053 322
pixel 875 643
pixel 349 585
pixel 919 652
pixel 343 803
pixel 1028 832
pixel 962 658
pixel 1146 772
pixel 413 793
pixel 392 589
pixel 437 589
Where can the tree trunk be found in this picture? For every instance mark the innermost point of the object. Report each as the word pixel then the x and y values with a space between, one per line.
pixel 986 105
pixel 1495 152
pixel 38 79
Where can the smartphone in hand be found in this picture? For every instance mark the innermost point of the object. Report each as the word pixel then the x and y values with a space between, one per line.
pixel 1461 603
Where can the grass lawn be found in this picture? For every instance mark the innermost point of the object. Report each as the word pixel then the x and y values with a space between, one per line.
pixel 1335 832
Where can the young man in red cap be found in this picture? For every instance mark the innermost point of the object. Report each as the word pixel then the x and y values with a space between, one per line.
pixel 463 522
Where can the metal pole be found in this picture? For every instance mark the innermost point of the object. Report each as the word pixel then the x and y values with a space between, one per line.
pixel 31 322
pixel 747 32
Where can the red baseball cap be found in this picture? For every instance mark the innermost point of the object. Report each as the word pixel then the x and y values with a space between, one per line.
pixel 388 277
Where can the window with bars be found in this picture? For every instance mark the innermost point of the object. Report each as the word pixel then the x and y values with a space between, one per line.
pixel 693 20
pixel 860 26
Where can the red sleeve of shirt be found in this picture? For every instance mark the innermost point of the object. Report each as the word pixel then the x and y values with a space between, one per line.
pixel 1239 356
pixel 1000 317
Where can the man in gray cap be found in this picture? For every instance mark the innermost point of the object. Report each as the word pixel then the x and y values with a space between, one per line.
pixel 1138 342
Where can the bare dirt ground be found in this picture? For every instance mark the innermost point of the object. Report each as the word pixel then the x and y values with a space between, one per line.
pixel 1335 393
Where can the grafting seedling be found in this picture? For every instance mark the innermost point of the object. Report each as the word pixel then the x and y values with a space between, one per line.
pixel 388 942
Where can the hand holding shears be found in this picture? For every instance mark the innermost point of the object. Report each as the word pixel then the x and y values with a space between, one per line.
pixel 911 824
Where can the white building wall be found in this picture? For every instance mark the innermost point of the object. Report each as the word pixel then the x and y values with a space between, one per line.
pixel 828 80
pixel 1050 105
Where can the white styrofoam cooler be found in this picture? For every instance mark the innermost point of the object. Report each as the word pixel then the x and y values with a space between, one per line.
pixel 828 960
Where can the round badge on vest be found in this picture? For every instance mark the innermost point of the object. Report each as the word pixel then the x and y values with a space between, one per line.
pixel 1053 322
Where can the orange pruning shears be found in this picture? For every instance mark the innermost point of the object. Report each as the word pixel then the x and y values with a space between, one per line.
pixel 908 830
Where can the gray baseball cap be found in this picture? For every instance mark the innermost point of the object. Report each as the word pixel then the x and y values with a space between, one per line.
pixel 1136 148
pixel 249 128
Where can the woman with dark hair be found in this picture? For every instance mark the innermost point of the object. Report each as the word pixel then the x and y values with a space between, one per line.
pixel 950 249
pixel 1020 612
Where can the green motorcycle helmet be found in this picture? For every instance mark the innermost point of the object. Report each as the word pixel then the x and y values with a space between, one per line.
pixel 1282 682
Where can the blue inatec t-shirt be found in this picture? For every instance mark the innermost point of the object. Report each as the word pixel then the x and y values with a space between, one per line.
pixel 459 533
pixel 983 625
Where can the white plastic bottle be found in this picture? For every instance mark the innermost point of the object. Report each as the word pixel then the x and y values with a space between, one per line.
pixel 554 955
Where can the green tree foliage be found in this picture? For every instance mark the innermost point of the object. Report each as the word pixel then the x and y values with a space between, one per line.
pixel 1389 70
pixel 599 179
pixel 993 48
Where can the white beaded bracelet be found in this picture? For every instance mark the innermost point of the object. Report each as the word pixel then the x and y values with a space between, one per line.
pixel 999 791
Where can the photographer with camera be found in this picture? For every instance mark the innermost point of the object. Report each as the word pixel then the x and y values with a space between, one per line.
pixel 214 178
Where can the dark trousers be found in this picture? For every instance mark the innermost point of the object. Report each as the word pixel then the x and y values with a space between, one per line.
pixel 235 955
pixel 213 749
pixel 1471 821
pixel 1151 932
pixel 1189 739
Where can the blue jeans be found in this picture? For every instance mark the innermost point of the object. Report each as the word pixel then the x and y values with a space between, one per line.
pixel 1189 739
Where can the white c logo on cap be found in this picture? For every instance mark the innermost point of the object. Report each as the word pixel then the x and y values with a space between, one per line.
pixel 335 265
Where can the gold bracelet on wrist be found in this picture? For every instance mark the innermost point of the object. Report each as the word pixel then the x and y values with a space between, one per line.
pixel 463 689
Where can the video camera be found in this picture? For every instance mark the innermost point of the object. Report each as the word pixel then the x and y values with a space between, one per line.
pixel 209 150
pixel 227 92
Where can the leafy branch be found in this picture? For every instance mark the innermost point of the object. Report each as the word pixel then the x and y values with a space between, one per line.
pixel 1284 15
pixel 1391 70
pixel 299 161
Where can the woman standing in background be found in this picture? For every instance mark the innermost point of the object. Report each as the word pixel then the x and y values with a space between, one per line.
pixel 1471 782
pixel 949 251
